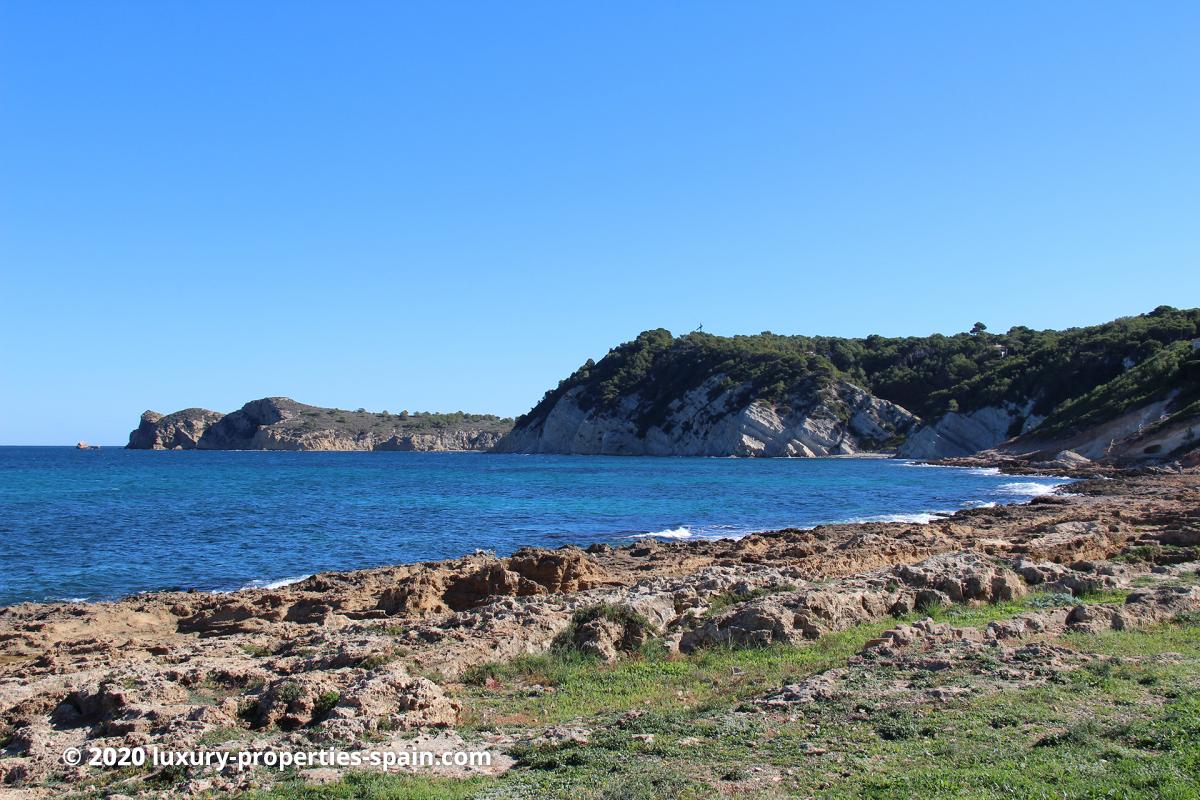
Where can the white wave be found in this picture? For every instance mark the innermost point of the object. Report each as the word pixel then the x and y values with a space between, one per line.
pixel 969 470
pixel 1027 488
pixel 979 504
pixel 728 532
pixel 669 533
pixel 265 584
pixel 921 517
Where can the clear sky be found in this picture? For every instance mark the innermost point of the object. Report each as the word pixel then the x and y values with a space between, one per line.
pixel 444 206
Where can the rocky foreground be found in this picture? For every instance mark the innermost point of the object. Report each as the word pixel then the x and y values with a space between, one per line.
pixel 420 655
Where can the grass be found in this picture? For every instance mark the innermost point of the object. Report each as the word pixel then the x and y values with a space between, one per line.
pixel 376 660
pixel 710 678
pixel 1116 596
pixel 257 650
pixel 218 736
pixel 369 786
pixel 1125 724
pixel 495 694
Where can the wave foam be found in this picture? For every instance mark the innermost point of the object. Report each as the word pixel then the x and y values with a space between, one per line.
pixel 920 517
pixel 276 584
pixel 670 533
pixel 970 470
pixel 1027 488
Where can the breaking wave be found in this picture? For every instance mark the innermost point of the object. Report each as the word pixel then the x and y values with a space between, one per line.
pixel 276 584
pixel 920 517
pixel 969 470
pixel 669 533
pixel 1027 488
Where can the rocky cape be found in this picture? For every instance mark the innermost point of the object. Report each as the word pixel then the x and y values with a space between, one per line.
pixel 1124 392
pixel 279 423
pixel 387 658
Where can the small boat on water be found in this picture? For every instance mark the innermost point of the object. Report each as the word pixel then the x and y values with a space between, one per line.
pixel 86 446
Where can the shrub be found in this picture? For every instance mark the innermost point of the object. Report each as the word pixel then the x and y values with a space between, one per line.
pixel 288 693
pixel 325 704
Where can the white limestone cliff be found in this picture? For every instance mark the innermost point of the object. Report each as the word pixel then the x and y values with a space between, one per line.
pixel 841 419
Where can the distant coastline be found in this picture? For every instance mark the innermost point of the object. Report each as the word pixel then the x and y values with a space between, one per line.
pixel 280 423
pixel 1122 393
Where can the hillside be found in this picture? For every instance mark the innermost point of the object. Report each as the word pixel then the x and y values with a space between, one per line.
pixel 1128 389
pixel 278 423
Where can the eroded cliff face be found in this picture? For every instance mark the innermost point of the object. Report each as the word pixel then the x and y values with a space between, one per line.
pixel 182 430
pixel 961 434
pixel 840 419
pixel 278 423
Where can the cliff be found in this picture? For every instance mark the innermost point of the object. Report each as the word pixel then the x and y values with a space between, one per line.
pixel 838 419
pixel 182 430
pixel 278 423
pixel 1124 391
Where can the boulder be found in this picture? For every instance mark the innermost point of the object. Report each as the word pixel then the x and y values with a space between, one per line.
pixel 608 631
pixel 813 612
pixel 401 701
pixel 296 701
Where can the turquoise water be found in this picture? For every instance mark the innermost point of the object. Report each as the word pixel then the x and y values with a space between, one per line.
pixel 107 523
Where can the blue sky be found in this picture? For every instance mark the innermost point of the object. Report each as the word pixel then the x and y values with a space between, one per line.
pixel 452 205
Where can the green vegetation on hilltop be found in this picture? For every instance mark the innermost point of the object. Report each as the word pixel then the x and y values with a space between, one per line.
pixel 363 421
pixel 1174 367
pixel 660 368
pixel 1078 377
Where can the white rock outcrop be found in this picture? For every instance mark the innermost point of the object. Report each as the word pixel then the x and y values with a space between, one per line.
pixel 840 419
pixel 962 434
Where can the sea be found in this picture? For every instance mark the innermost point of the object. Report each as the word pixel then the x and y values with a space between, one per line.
pixel 102 524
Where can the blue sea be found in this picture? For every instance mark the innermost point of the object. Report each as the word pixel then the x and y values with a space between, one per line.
pixel 101 524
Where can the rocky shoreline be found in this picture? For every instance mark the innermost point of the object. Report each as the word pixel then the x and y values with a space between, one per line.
pixel 380 657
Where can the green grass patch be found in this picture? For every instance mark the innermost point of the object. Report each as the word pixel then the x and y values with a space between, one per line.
pixel 1124 723
pixel 370 786
pixel 1111 596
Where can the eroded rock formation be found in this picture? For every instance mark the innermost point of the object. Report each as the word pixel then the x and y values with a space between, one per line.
pixel 278 423
pixel 710 420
